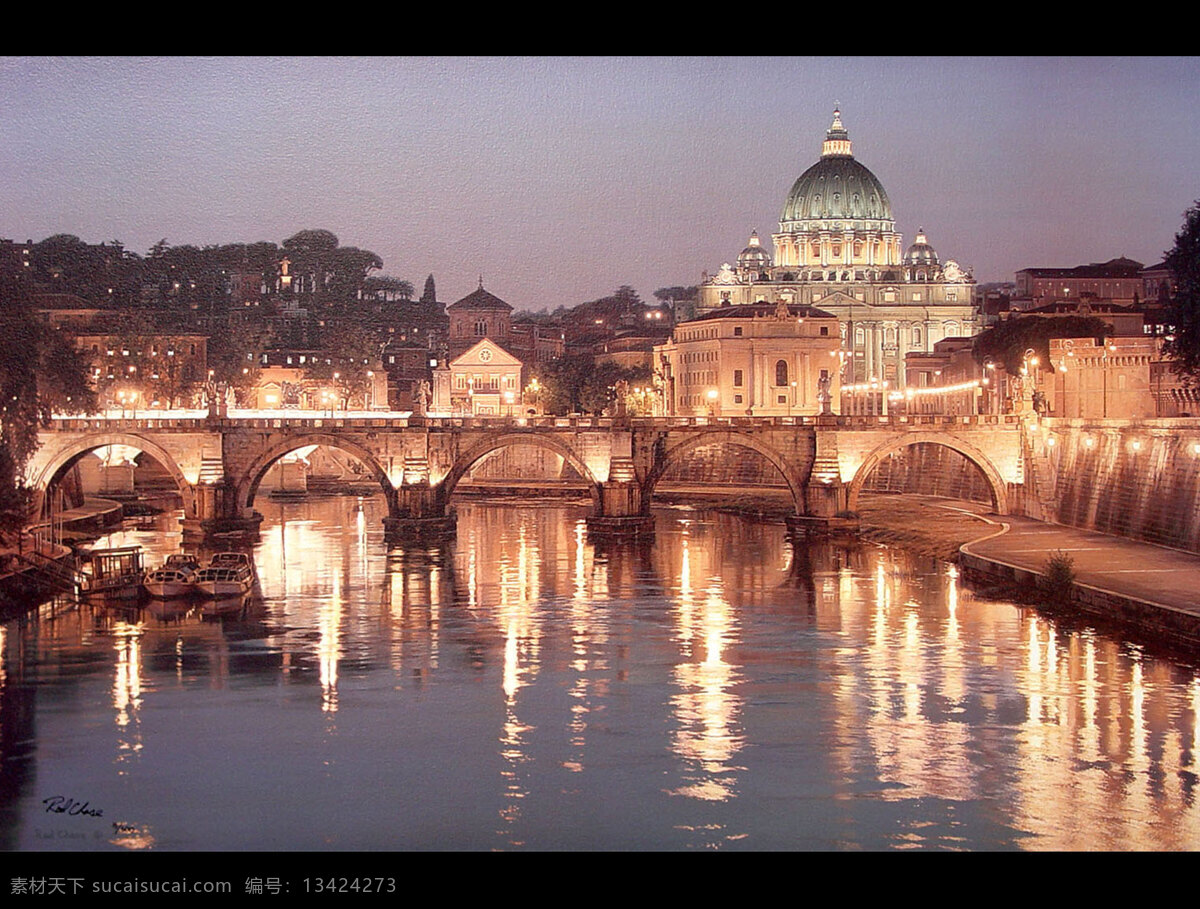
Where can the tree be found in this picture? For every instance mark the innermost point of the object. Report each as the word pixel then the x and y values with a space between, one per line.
pixel 1184 263
pixel 1007 341
pixel 385 288
pixel 352 351
pixel 328 272
pixel 576 383
pixel 235 356
pixel 40 374
pixel 676 293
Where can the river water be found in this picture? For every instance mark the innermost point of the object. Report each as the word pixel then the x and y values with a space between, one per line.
pixel 524 688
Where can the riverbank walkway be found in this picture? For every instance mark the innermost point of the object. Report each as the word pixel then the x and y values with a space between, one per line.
pixel 1156 575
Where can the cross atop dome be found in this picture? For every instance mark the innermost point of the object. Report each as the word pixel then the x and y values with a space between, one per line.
pixel 837 139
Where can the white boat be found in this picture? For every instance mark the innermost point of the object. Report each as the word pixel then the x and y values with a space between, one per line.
pixel 224 605
pixel 176 578
pixel 116 574
pixel 229 574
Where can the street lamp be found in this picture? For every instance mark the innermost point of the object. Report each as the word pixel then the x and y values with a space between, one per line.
pixel 1030 363
pixel 532 390
pixel 712 402
pixel 128 397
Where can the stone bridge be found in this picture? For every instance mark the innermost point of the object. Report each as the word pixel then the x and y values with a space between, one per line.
pixel 218 463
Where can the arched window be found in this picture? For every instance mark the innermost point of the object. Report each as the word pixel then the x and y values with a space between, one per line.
pixel 917 335
pixel 781 372
pixel 481 328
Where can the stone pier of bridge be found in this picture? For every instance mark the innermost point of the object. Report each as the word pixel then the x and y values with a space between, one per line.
pixel 219 463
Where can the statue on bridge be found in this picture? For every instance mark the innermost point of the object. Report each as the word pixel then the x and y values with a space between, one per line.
pixel 215 398
pixel 421 397
pixel 620 403
pixel 823 394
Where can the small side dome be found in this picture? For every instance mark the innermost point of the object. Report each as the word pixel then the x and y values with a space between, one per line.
pixel 754 257
pixel 921 253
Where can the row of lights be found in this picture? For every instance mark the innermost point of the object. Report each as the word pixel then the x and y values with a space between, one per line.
pixel 1135 445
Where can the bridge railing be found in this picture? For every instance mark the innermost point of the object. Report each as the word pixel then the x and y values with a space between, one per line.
pixel 316 420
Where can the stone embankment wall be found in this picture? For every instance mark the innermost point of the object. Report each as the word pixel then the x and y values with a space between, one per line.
pixel 1167 623
pixel 1138 480
pixel 929 469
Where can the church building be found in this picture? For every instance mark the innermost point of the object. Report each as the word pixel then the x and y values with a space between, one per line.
pixel 838 250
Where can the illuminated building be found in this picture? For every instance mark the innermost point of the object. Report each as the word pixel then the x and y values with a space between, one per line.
pixel 755 360
pixel 481 314
pixel 838 249
pixel 483 381
pixel 1118 280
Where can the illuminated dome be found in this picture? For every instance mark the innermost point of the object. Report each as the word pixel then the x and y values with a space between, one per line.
pixel 921 253
pixel 754 257
pixel 836 188
pixel 837 216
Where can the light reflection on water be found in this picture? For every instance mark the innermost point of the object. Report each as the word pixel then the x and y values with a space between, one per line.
pixel 526 687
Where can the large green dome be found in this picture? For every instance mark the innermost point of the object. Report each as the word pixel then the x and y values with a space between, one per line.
pixel 836 188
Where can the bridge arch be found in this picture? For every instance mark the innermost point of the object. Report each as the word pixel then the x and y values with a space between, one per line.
pixel 69 454
pixel 247 485
pixel 676 453
pixel 481 449
pixel 996 485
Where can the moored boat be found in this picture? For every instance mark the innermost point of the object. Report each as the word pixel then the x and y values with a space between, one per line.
pixel 229 574
pixel 116 574
pixel 175 579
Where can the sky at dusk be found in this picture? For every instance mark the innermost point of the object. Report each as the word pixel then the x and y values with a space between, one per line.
pixel 560 179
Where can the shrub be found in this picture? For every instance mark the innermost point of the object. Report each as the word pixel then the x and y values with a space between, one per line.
pixel 1058 579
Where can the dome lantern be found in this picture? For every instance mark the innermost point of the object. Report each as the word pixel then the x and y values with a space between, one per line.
pixel 837 139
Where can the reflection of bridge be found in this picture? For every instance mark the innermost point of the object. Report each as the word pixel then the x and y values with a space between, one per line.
pixel 218 464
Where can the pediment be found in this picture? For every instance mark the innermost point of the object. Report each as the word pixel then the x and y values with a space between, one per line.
pixel 486 353
pixel 837 298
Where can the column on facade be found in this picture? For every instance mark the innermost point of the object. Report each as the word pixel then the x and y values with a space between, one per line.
pixel 751 372
pixel 868 350
pixel 760 390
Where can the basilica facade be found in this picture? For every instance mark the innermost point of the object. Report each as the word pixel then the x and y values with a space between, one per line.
pixel 838 250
